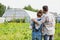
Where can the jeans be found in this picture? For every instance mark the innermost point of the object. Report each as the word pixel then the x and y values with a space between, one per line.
pixel 36 36
pixel 48 37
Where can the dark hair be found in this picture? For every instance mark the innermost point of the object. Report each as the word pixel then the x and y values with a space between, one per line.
pixel 39 13
pixel 45 8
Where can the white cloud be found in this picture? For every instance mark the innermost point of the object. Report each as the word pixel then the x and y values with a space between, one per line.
pixel 14 3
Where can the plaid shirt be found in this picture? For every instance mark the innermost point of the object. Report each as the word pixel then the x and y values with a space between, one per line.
pixel 49 22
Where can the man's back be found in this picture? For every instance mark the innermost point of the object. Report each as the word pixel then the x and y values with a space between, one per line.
pixel 49 24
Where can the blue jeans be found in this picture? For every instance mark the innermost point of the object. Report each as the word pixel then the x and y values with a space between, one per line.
pixel 48 37
pixel 36 36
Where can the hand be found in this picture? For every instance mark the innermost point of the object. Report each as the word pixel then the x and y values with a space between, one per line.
pixel 33 20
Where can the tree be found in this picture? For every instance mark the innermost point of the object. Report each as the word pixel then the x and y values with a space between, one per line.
pixel 2 9
pixel 30 8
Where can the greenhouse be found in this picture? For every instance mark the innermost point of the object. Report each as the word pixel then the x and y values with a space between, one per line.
pixel 15 13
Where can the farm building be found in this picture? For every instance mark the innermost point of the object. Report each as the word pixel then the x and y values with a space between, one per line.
pixel 18 14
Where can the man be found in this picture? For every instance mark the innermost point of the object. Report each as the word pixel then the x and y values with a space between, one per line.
pixel 49 22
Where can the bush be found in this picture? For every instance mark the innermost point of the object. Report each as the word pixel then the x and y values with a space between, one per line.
pixel 5 22
pixel 18 20
pixel 15 20
pixel 22 20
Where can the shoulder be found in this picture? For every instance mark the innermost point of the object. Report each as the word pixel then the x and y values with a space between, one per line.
pixel 49 14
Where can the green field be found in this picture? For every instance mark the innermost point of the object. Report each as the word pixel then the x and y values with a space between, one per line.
pixel 20 31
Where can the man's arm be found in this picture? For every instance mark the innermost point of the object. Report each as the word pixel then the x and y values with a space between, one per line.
pixel 35 21
pixel 42 20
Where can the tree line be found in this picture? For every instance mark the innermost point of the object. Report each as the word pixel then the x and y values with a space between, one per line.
pixel 3 8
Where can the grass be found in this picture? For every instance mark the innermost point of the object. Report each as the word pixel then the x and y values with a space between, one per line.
pixel 15 31
pixel 20 31
pixel 57 32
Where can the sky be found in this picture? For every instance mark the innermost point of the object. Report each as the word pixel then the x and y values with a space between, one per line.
pixel 36 4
